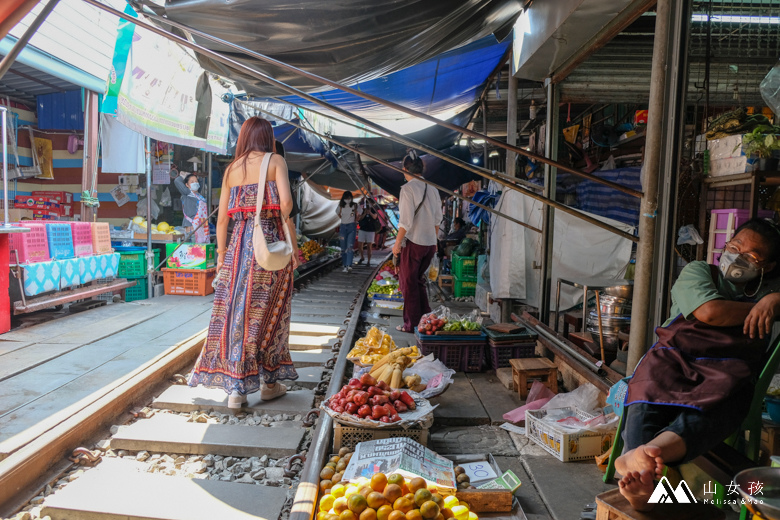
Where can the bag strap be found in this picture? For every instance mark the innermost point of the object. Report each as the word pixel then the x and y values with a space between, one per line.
pixel 261 185
pixel 425 193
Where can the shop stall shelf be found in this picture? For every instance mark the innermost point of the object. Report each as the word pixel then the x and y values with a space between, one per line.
pixel 31 246
pixel 101 238
pixel 138 292
pixel 189 282
pixel 463 288
pixel 464 267
pixel 60 240
pixel 82 238
pixel 132 262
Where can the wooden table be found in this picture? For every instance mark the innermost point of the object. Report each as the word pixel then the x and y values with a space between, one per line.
pixel 526 370
pixel 612 506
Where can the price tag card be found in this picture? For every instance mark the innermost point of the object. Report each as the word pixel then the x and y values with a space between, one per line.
pixel 479 471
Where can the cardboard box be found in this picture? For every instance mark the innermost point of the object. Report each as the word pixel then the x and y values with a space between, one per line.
pixel 40 203
pixel 190 256
pixel 66 210
pixel 63 197
pixel 156 236
pixel 42 214
pixel 15 215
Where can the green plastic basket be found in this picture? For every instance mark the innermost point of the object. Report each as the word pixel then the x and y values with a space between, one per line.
pixel 133 264
pixel 138 292
pixel 463 288
pixel 464 267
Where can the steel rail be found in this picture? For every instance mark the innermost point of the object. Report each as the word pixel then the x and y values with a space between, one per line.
pixel 383 102
pixel 420 177
pixel 305 500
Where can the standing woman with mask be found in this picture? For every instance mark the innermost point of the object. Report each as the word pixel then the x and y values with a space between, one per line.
pixel 246 347
pixel 419 206
pixel 347 210
pixel 194 207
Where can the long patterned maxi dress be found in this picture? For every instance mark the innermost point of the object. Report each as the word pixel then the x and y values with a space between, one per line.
pixel 247 342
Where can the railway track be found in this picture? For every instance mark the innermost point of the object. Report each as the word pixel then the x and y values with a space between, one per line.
pixel 175 452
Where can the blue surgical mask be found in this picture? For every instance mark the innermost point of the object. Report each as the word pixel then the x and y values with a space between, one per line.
pixel 195 186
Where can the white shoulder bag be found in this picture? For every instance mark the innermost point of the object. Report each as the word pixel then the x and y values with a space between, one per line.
pixel 272 256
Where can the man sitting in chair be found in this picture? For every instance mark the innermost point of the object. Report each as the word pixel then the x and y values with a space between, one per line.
pixel 693 388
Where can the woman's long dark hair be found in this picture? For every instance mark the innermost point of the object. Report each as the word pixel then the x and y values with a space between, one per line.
pixel 343 201
pixel 256 135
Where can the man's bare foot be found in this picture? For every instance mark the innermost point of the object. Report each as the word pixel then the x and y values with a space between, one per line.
pixel 645 457
pixel 637 487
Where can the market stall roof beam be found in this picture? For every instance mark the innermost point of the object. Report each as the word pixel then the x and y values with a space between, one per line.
pixel 384 102
pixel 502 180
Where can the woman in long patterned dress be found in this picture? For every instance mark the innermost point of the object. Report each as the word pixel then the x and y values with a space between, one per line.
pixel 247 347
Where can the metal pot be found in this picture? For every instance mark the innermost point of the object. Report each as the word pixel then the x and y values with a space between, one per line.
pixel 614 306
pixel 621 291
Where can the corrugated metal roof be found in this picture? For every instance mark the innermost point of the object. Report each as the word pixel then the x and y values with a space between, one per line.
pixel 76 33
pixel 23 83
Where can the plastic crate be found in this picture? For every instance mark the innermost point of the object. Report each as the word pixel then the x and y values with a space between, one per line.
pixel 82 238
pixel 563 444
pixel 132 264
pixel 140 291
pixel 501 354
pixel 31 246
pixel 723 224
pixel 60 240
pixel 101 238
pixel 463 355
pixel 463 288
pixel 189 282
pixel 464 267
pixel 350 436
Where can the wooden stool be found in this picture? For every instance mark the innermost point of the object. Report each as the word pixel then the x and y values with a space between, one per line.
pixel 612 506
pixel 526 370
pixel 571 319
pixel 445 280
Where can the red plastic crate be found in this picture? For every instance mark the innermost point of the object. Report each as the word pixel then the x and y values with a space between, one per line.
pixel 32 246
pixel 82 238
pixel 101 238
pixel 189 282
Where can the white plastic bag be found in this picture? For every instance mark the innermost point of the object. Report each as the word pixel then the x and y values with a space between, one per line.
pixel 141 209
pixel 433 373
pixel 688 235
pixel 165 198
pixel 585 397
pixel 433 270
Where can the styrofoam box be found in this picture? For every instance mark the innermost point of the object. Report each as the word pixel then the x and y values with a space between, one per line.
pixel 740 217
pixel 731 166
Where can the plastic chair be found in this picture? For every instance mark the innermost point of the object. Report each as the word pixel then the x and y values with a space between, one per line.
pixel 752 423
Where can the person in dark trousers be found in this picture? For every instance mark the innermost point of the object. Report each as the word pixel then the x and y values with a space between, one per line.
pixel 368 218
pixel 420 216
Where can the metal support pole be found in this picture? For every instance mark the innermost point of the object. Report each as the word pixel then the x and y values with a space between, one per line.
pixel 6 218
pixel 149 253
pixel 645 254
pixel 208 180
pixel 9 58
pixel 511 125
pixel 89 168
pixel 484 131
pixel 548 219
pixel 673 135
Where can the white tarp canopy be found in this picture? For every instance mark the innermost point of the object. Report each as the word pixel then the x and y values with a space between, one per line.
pixel 580 250
pixel 318 213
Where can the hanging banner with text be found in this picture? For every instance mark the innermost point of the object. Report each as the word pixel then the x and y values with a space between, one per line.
pixel 165 95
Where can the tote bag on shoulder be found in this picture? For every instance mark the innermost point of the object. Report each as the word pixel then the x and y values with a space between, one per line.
pixel 272 256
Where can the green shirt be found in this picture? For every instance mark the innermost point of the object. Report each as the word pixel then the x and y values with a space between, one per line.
pixel 696 287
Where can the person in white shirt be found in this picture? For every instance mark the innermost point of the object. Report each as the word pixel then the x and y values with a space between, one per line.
pixel 419 206
pixel 347 210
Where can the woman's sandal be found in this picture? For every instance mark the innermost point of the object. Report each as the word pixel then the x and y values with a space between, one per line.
pixel 400 328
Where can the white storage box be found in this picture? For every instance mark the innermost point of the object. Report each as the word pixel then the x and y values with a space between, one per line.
pixel 561 443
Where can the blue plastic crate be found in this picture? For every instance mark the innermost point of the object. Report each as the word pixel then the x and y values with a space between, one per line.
pixel 60 240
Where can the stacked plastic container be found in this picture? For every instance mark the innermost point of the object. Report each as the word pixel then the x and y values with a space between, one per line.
pixel 31 247
pixel 464 269
pixel 132 265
